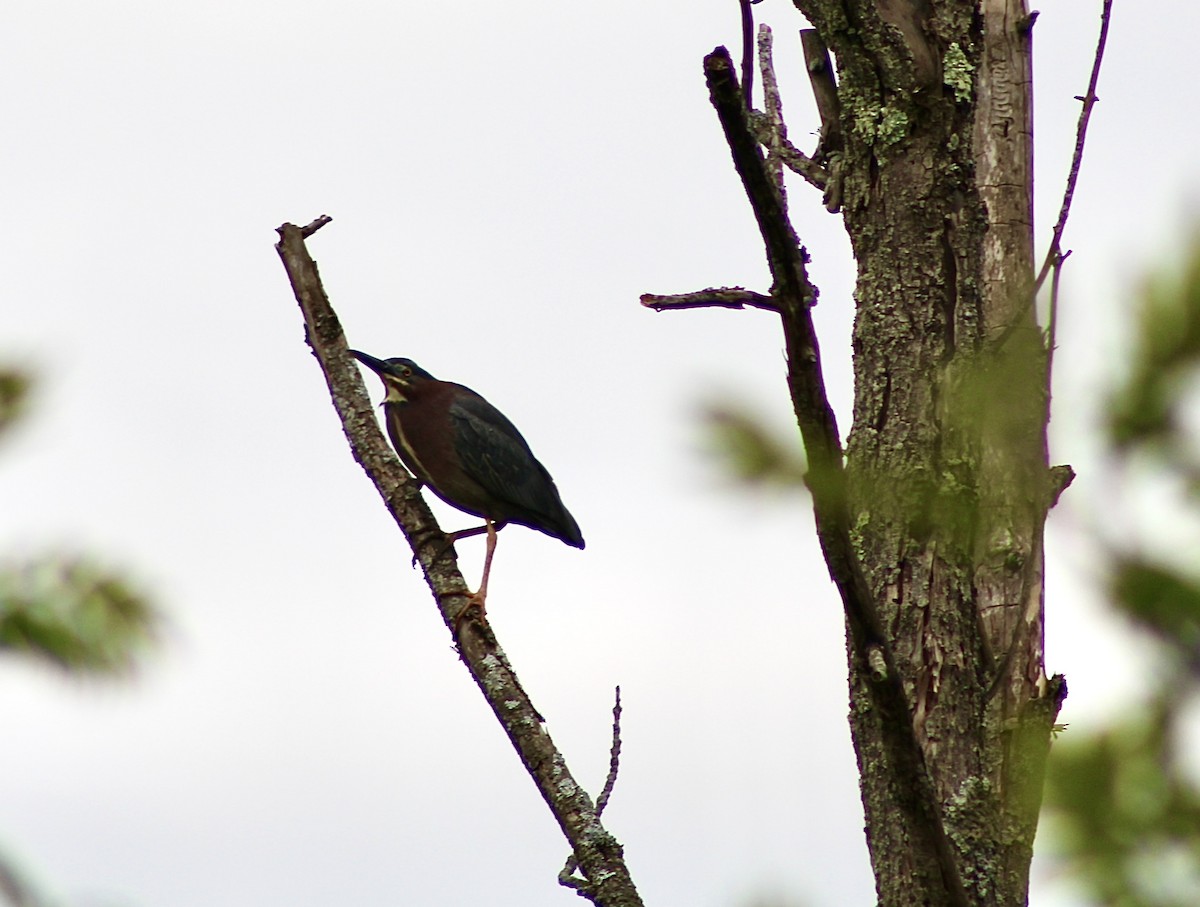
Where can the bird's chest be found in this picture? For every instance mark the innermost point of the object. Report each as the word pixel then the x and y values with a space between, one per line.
pixel 424 441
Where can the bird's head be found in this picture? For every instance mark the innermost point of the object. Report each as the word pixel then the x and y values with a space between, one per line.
pixel 400 376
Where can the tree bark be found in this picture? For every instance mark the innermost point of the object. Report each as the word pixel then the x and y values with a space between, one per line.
pixel 949 479
pixel 931 519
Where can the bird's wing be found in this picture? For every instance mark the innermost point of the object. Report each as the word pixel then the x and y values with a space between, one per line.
pixel 498 458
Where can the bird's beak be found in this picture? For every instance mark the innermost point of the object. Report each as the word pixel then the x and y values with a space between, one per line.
pixel 378 366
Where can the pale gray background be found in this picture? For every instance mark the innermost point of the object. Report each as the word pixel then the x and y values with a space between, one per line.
pixel 505 180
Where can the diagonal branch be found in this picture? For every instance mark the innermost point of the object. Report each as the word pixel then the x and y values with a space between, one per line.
pixel 599 854
pixel 827 478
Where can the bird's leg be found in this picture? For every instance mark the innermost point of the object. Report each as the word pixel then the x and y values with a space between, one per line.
pixel 448 540
pixel 447 544
pixel 479 599
pixel 452 537
pixel 481 595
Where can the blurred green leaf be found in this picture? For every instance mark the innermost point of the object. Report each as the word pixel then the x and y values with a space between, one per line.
pixel 1127 816
pixel 1165 360
pixel 69 612
pixel 1161 599
pixel 14 393
pixel 750 450
pixel 1126 811
pixel 74 614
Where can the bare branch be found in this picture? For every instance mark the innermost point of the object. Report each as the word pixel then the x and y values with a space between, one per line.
pixel 614 756
pixel 748 51
pixel 771 130
pixel 826 477
pixel 824 88
pixel 598 852
pixel 795 159
pixel 1052 324
pixel 714 297
pixel 567 877
pixel 776 129
pixel 316 225
pixel 784 253
pixel 1054 254
pixel 1061 478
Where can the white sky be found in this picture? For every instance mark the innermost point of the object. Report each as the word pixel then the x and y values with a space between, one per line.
pixel 505 180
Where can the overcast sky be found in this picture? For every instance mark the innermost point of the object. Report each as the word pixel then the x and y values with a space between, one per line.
pixel 505 180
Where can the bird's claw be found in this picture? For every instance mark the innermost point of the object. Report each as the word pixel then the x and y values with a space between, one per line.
pixel 474 602
pixel 448 540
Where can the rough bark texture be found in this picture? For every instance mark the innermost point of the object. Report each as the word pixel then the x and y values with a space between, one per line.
pixel 948 480
pixel 931 518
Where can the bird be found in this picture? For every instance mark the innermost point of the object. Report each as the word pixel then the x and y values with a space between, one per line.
pixel 471 456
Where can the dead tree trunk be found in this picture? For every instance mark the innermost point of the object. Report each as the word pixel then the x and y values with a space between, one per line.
pixel 931 518
pixel 950 482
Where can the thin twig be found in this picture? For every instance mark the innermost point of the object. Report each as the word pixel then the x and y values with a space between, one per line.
pixel 714 297
pixel 824 89
pixel 317 224
pixel 795 159
pixel 829 145
pixel 747 52
pixel 771 130
pixel 599 854
pixel 1054 253
pixel 1052 324
pixel 614 756
pixel 773 108
pixel 566 876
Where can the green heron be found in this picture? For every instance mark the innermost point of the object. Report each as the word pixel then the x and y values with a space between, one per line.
pixel 472 457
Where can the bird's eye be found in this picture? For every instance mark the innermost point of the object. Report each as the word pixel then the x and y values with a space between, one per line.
pixel 406 372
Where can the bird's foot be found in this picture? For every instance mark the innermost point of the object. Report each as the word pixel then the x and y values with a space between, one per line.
pixel 475 601
pixel 448 540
